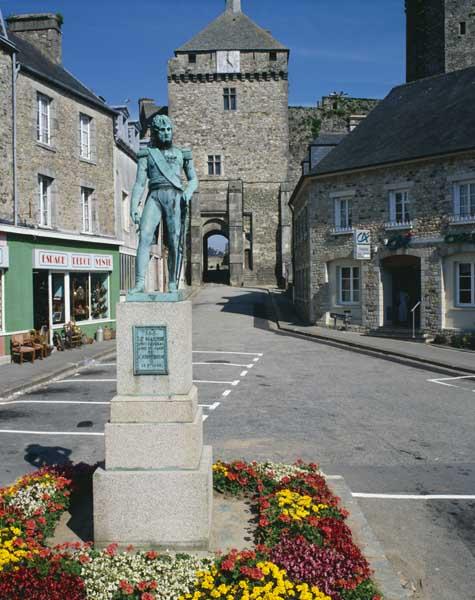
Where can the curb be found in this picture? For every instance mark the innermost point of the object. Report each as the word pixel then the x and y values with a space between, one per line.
pixel 41 380
pixel 406 359
pixel 384 575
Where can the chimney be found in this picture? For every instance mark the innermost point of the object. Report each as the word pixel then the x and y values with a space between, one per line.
pixel 41 30
pixel 233 6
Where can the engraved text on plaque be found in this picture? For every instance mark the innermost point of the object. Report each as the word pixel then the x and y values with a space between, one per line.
pixel 150 350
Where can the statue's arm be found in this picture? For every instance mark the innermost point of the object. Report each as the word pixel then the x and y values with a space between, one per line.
pixel 139 186
pixel 190 173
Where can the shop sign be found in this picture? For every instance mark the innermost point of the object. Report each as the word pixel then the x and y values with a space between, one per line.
pixel 72 261
pixel 362 244
pixel 4 257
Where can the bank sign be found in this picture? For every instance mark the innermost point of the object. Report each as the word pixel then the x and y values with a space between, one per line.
pixel 4 258
pixel 362 244
pixel 72 261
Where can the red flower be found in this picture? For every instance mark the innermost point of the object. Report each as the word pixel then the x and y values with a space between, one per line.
pixel 84 558
pixel 111 549
pixel 151 554
pixel 126 587
pixel 147 596
pixel 142 586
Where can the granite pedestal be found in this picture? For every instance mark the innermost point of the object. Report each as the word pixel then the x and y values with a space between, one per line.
pixel 156 488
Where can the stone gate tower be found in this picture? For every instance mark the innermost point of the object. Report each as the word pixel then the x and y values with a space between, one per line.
pixel 228 98
pixel 440 36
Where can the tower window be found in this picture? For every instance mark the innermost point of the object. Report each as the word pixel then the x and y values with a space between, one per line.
pixel 192 58
pixel 463 28
pixel 229 95
pixel 214 164
pixel 272 55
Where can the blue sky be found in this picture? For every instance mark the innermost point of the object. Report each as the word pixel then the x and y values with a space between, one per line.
pixel 120 48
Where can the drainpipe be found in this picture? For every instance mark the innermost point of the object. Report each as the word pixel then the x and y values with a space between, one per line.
pixel 15 71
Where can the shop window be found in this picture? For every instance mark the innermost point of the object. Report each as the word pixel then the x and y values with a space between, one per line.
pixel 40 300
pixel 466 284
pixel 343 214
pixel 349 285
pixel 58 303
pixel 43 119
pixel 99 296
pixel 44 194
pixel 86 209
pixel 79 296
pixel 399 207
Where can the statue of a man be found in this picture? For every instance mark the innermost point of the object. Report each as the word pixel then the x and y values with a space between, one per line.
pixel 161 163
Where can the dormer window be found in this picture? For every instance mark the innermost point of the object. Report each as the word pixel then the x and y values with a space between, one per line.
pixel 192 58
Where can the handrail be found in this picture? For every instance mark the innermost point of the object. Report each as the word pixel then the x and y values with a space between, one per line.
pixel 413 311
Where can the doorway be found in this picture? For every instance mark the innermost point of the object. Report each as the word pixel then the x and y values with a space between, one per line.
pixel 401 276
pixel 216 258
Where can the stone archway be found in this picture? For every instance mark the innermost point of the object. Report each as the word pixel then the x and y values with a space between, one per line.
pixel 215 268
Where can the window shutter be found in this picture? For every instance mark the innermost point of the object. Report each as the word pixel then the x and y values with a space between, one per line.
pixel 93 139
pixel 456 200
pixel 53 123
pixel 336 208
pixel 95 214
pixel 78 141
pixel 54 203
pixel 392 207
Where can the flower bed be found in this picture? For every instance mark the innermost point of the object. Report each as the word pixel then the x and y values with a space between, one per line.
pixel 304 550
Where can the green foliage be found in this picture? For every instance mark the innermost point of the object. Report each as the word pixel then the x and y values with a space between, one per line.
pixel 60 19
pixel 365 591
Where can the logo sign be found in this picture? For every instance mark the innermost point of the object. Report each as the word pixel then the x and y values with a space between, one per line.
pixel 4 257
pixel 362 244
pixel 72 261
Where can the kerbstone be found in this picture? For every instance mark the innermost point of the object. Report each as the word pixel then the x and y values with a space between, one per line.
pixel 154 445
pixel 158 509
pixel 176 316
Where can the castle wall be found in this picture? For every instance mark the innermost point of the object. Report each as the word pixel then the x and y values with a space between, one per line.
pixel 6 136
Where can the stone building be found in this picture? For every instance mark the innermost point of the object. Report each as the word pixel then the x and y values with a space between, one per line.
pixel 386 219
pixel 57 217
pixel 228 98
pixel 440 36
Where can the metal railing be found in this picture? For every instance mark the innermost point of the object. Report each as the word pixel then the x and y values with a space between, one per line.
pixel 413 311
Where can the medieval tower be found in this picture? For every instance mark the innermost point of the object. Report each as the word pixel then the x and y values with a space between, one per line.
pixel 228 98
pixel 440 36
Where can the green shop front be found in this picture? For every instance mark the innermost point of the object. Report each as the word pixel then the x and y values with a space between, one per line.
pixel 50 282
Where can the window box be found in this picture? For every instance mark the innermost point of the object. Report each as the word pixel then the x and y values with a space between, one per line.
pixel 461 220
pixel 395 225
pixel 341 230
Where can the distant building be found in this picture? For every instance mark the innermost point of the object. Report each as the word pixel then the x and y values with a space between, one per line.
pixel 404 180
pixel 59 248
pixel 440 37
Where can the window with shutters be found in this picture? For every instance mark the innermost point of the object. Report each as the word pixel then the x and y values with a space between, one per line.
pixel 343 215
pixel 399 210
pixel 44 200
pixel 464 202
pixel 43 119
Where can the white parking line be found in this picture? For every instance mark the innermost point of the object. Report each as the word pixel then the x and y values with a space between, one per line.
pixel 226 393
pixel 50 402
pixel 85 381
pixel 227 352
pixel 443 381
pixel 235 382
pixel 205 417
pixel 223 364
pixel 414 496
pixel 243 374
pixel 210 406
pixel 48 432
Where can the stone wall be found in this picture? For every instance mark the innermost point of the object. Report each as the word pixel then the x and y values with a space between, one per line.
pixel 430 185
pixel 459 48
pixel 6 136
pixel 425 54
pixel 61 160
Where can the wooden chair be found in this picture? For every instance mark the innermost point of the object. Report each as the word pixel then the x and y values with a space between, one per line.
pixel 29 340
pixel 18 348
pixel 42 339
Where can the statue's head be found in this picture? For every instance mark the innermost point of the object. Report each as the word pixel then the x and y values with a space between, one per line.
pixel 162 131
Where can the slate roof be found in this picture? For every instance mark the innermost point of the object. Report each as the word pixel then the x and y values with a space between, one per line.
pixel 328 139
pixel 232 31
pixel 34 61
pixel 428 117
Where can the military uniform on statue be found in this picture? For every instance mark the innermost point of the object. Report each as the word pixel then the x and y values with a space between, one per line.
pixel 156 488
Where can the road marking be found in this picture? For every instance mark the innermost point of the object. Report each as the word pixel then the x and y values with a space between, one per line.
pixel 51 402
pixel 85 381
pixel 226 352
pixel 235 382
pixel 205 417
pixel 226 393
pixel 224 364
pixel 243 374
pixel 443 380
pixel 104 365
pixel 48 432
pixel 414 496
pixel 255 359
pixel 210 406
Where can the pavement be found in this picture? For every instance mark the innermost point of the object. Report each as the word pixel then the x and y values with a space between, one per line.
pixel 400 435
pixel 435 357
pixel 16 378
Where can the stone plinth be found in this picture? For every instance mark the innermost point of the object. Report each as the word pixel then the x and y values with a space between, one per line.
pixel 156 488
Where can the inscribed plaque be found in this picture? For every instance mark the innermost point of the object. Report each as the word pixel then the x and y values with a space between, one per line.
pixel 150 350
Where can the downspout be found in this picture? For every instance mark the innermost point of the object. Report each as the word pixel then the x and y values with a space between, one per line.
pixel 15 71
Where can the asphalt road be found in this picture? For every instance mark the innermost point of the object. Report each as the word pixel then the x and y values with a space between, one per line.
pixel 389 429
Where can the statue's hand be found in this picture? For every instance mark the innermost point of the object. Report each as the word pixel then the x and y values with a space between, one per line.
pixel 135 216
